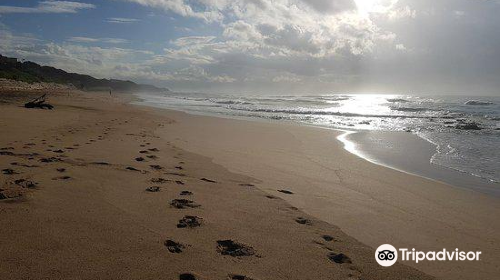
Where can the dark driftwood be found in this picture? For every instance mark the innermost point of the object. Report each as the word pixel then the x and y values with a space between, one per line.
pixel 39 102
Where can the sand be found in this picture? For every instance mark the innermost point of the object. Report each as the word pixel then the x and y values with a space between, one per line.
pixel 88 207
pixel 372 203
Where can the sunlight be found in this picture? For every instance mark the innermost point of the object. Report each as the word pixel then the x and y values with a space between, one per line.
pixel 366 6
pixel 375 6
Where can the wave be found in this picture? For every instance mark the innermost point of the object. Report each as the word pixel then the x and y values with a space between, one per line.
pixel 410 109
pixel 230 102
pixel 397 100
pixel 478 103
pixel 326 113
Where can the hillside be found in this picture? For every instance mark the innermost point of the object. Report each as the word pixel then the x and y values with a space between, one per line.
pixel 11 68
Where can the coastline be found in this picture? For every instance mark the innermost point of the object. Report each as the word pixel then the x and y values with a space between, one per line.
pixel 95 188
pixel 101 221
pixel 373 203
pixel 412 154
pixel 358 143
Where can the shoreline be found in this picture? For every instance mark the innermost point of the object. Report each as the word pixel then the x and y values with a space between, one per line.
pixel 94 157
pixel 392 154
pixel 96 188
pixel 364 150
pixel 414 211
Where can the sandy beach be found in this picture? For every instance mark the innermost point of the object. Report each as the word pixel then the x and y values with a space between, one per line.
pixel 100 189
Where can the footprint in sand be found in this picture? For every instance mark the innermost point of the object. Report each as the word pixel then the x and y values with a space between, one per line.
pixel 189 222
pixel 139 159
pixel 178 182
pixel 8 171
pixel 339 258
pixel 183 203
pixel 328 237
pixel 61 178
pixel 238 277
pixel 132 168
pixel 159 180
pixel 100 163
pixel 61 170
pixel 186 193
pixel 153 189
pixel 25 183
pixel 208 180
pixel 156 167
pixel 303 221
pixel 234 249
pixel 174 247
pixel 23 165
pixel 50 159
pixel 176 174
pixel 285 191
pixel 187 276
pixel 247 185
pixel 271 197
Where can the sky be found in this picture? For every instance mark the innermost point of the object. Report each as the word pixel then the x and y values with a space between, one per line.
pixel 266 46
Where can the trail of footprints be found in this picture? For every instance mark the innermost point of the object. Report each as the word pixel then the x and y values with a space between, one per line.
pixel 15 188
pixel 224 247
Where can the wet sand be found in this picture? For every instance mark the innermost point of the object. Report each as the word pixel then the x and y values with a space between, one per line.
pixel 409 153
pixel 372 203
pixel 98 189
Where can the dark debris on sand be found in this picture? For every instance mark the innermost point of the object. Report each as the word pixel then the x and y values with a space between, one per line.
pixel 234 249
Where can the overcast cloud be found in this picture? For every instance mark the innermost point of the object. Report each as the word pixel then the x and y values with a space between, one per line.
pixel 272 46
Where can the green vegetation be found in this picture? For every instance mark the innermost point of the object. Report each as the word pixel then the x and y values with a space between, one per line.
pixel 30 72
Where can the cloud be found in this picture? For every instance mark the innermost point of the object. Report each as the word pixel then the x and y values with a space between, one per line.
pixel 121 20
pixel 48 7
pixel 293 46
pixel 97 40
pixel 331 6
pixel 192 40
pixel 182 8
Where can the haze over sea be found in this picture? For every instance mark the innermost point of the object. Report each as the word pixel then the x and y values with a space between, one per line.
pixel 465 130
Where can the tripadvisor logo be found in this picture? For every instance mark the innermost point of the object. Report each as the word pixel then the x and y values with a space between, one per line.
pixel 387 255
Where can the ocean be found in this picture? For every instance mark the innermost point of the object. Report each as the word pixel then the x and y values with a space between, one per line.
pixel 464 130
